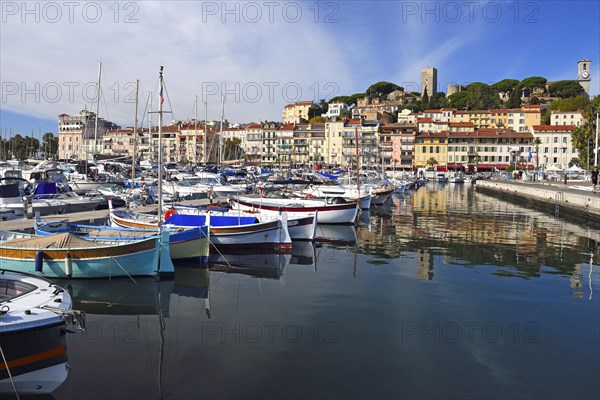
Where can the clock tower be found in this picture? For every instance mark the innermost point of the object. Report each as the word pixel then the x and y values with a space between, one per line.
pixel 583 75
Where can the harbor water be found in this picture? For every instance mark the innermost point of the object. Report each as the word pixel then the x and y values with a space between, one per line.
pixel 444 293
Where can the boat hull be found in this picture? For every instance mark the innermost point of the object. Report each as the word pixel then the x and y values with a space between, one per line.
pixel 328 213
pixel 127 259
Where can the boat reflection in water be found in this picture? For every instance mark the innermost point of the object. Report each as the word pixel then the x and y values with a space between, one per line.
pixel 339 234
pixel 304 253
pixel 120 296
pixel 258 264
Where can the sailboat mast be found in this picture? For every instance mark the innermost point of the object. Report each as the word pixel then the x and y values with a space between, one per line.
pixel 221 131
pixel 97 108
pixel 135 138
pixel 195 129
pixel 160 148
pixel 205 147
pixel 357 164
pixel 150 127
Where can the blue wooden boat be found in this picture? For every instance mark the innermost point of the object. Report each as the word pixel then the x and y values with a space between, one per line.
pixel 225 231
pixel 65 255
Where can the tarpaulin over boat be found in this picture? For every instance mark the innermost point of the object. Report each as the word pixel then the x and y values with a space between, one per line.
pixel 58 241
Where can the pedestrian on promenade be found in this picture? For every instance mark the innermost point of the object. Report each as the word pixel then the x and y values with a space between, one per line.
pixel 594 178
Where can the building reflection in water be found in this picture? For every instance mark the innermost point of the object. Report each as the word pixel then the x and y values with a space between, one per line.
pixel 476 229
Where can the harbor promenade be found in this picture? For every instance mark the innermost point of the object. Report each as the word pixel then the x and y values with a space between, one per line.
pixel 574 201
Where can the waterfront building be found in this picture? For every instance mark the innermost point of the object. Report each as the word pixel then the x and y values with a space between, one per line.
pixel 191 142
pixel 269 147
pixel 334 131
pixel 76 134
pixel 284 144
pixel 488 148
pixel 234 134
pixel 317 145
pixel 253 144
pixel 402 142
pixel 431 146
pixel 301 138
pixel 555 148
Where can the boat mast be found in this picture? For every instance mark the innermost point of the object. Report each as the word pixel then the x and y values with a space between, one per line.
pixel 221 131
pixel 204 156
pixel 151 150
pixel 357 163
pixel 160 149
pixel 97 108
pixel 195 129
pixel 135 138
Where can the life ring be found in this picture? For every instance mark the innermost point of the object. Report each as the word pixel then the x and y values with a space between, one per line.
pixel 310 196
pixel 383 185
pixel 169 213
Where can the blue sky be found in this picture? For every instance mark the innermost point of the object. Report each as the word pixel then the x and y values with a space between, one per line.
pixel 263 55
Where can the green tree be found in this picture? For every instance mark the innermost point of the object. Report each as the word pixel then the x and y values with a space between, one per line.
pixel 382 88
pixel 432 162
pixel 438 100
pixel 317 109
pixel 482 96
pixel 505 86
pixel 460 99
pixel 232 149
pixel 514 100
pixel 50 145
pixel 564 89
pixel 316 120
pixel 570 104
pixel 533 82
pixel 425 99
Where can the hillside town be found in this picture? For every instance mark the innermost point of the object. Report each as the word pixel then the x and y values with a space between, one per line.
pixel 390 134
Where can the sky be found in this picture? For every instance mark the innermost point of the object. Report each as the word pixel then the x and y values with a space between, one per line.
pixel 262 55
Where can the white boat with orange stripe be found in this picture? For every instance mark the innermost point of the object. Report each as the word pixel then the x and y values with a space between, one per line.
pixel 34 316
pixel 329 213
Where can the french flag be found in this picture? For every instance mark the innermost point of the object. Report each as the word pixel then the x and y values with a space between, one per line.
pixel 162 99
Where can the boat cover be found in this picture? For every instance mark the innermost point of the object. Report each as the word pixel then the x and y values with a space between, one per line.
pixel 59 241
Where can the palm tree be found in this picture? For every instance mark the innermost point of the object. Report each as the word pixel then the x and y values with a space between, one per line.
pixel 432 162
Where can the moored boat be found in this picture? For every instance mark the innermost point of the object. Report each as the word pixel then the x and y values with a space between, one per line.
pixel 183 242
pixel 344 213
pixel 34 316
pixel 65 255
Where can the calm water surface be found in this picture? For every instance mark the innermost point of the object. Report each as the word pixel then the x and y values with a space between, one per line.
pixel 447 293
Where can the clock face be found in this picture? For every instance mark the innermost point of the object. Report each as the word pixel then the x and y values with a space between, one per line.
pixel 585 74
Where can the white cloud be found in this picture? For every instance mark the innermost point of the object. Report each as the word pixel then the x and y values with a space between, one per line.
pixel 241 56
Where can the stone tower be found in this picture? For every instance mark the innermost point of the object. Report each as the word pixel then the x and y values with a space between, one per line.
pixel 584 75
pixel 429 80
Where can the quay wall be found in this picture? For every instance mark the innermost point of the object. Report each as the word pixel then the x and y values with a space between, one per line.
pixel 579 205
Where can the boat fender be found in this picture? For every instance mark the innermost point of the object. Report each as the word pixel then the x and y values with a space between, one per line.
pixel 39 261
pixel 169 213
pixel 383 185
pixel 68 265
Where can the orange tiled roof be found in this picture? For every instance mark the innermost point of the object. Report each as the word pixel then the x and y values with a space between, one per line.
pixel 553 127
